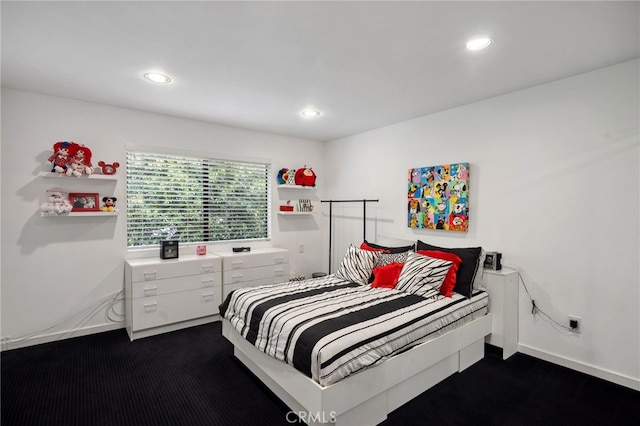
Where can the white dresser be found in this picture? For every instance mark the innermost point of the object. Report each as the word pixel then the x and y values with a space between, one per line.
pixel 256 267
pixel 502 287
pixel 169 294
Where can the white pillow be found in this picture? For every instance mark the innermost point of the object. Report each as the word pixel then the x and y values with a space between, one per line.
pixel 357 265
pixel 422 275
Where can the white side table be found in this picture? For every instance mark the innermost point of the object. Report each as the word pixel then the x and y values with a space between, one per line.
pixel 502 287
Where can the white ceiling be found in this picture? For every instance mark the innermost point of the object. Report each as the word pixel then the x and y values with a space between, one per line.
pixel 258 64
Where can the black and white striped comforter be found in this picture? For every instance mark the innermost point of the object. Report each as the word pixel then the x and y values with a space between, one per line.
pixel 329 328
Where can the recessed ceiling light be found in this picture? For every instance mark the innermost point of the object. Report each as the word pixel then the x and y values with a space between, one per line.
pixel 479 43
pixel 310 113
pixel 157 78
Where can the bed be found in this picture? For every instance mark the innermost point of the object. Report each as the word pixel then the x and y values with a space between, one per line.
pixel 338 350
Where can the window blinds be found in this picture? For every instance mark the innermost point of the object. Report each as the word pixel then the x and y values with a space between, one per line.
pixel 195 199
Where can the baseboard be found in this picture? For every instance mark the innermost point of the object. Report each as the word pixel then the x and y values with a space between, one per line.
pixel 37 340
pixel 591 370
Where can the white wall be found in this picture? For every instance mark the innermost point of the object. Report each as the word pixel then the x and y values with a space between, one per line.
pixel 55 268
pixel 554 187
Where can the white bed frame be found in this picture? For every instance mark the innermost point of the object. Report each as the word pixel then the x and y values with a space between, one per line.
pixel 368 396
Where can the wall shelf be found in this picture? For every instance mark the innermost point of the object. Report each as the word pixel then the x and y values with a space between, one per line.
pixel 63 176
pixel 296 187
pixel 299 210
pixel 295 213
pixel 93 177
pixel 78 214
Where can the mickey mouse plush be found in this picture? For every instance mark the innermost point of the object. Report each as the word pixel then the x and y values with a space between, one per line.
pixel 109 204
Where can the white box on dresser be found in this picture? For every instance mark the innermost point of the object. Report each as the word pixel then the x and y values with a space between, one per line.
pixel 169 294
pixel 502 287
pixel 256 267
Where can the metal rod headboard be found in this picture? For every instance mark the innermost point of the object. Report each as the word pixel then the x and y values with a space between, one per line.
pixel 364 219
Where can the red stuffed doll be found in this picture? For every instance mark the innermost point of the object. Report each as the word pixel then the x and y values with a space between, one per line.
pixel 80 162
pixel 61 156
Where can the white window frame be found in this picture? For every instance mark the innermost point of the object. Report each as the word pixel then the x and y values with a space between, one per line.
pixel 168 224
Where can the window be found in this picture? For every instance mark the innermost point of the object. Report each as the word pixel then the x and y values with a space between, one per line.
pixel 195 199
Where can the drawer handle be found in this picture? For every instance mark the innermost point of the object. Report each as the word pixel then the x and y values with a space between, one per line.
pixel 207 268
pixel 150 291
pixel 236 265
pixel 151 275
pixel 151 307
pixel 279 272
pixel 208 297
pixel 207 283
pixel 236 278
pixel 279 260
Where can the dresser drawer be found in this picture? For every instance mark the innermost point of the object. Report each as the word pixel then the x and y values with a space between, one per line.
pixel 174 285
pixel 150 270
pixel 255 259
pixel 165 309
pixel 235 276
pixel 228 288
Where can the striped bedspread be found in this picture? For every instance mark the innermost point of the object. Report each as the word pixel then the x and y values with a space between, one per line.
pixel 329 328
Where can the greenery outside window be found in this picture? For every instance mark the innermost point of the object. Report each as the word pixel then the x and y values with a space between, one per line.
pixel 195 199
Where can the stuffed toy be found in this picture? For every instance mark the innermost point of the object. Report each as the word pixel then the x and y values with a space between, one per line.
pixel 80 163
pixel 108 169
pixel 58 202
pixel 283 175
pixel 305 177
pixel 109 204
pixel 61 156
pixel 291 177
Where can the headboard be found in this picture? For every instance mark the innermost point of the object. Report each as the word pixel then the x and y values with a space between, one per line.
pixel 386 240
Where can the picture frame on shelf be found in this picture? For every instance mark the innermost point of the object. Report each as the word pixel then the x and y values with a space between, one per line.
pixel 169 249
pixel 304 205
pixel 84 201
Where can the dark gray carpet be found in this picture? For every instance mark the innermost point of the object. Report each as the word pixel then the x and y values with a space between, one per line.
pixel 190 377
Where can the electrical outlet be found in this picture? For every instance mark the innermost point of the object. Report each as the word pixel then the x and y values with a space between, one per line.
pixel 301 248
pixel 4 341
pixel 575 324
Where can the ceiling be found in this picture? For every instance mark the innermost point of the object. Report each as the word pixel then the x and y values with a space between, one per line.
pixel 256 65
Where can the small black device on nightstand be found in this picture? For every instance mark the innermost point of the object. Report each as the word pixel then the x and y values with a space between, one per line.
pixel 241 249
pixel 493 260
pixel 169 249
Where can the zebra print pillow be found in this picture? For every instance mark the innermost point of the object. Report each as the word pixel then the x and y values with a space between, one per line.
pixel 422 275
pixel 387 258
pixel 357 265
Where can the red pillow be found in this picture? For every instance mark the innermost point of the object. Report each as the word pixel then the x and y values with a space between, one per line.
pixel 365 246
pixel 450 280
pixel 387 276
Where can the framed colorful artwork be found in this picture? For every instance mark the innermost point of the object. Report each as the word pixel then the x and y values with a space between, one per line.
pixel 438 197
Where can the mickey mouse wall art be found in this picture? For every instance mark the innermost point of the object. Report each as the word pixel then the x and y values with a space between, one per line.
pixel 438 197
